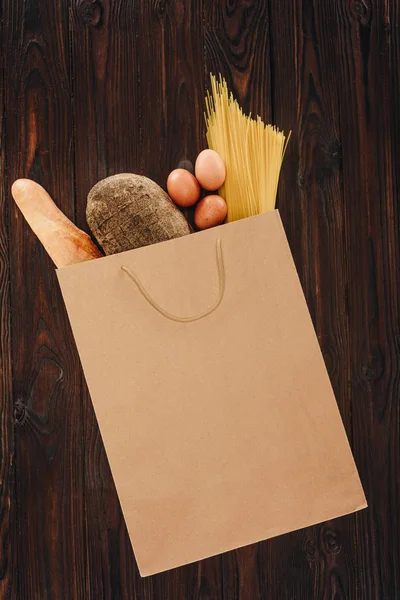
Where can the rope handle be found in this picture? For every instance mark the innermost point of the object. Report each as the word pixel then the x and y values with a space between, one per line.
pixel 178 319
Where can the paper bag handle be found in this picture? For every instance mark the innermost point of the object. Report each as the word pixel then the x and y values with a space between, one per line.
pixel 167 315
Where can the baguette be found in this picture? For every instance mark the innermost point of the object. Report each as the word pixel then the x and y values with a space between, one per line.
pixel 64 242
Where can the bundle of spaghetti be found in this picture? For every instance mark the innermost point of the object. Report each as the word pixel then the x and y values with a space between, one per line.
pixel 252 152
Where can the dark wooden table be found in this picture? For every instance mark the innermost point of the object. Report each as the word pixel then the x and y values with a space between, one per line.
pixel 96 87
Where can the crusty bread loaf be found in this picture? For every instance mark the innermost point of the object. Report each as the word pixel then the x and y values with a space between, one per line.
pixel 64 242
pixel 129 211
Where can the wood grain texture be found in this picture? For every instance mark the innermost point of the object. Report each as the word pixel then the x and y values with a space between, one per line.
pixel 368 58
pixel 96 87
pixel 112 103
pixel 49 504
pixel 7 470
pixel 107 141
pixel 237 45
pixel 172 73
pixel 312 208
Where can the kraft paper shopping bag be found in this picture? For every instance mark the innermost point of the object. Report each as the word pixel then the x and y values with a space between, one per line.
pixel 211 393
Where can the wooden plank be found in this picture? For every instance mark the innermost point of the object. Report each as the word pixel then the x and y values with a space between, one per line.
pixel 107 122
pixel 342 54
pixel 108 141
pixel 96 90
pixel 7 469
pixel 237 45
pixel 107 110
pixel 138 96
pixel 367 71
pixel 316 562
pixel 172 74
pixel 50 549
pixel 391 26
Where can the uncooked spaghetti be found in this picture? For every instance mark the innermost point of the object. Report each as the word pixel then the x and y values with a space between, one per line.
pixel 252 151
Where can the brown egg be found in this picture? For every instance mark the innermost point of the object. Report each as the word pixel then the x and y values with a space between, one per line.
pixel 183 188
pixel 210 211
pixel 210 170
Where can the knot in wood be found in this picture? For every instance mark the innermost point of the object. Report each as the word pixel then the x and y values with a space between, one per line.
pixel 374 366
pixel 310 551
pixel 301 180
pixel 90 12
pixel 161 7
pixel 19 412
pixel 361 11
pixel 331 541
pixel 334 153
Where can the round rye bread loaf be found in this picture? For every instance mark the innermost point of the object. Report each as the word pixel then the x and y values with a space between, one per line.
pixel 129 211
